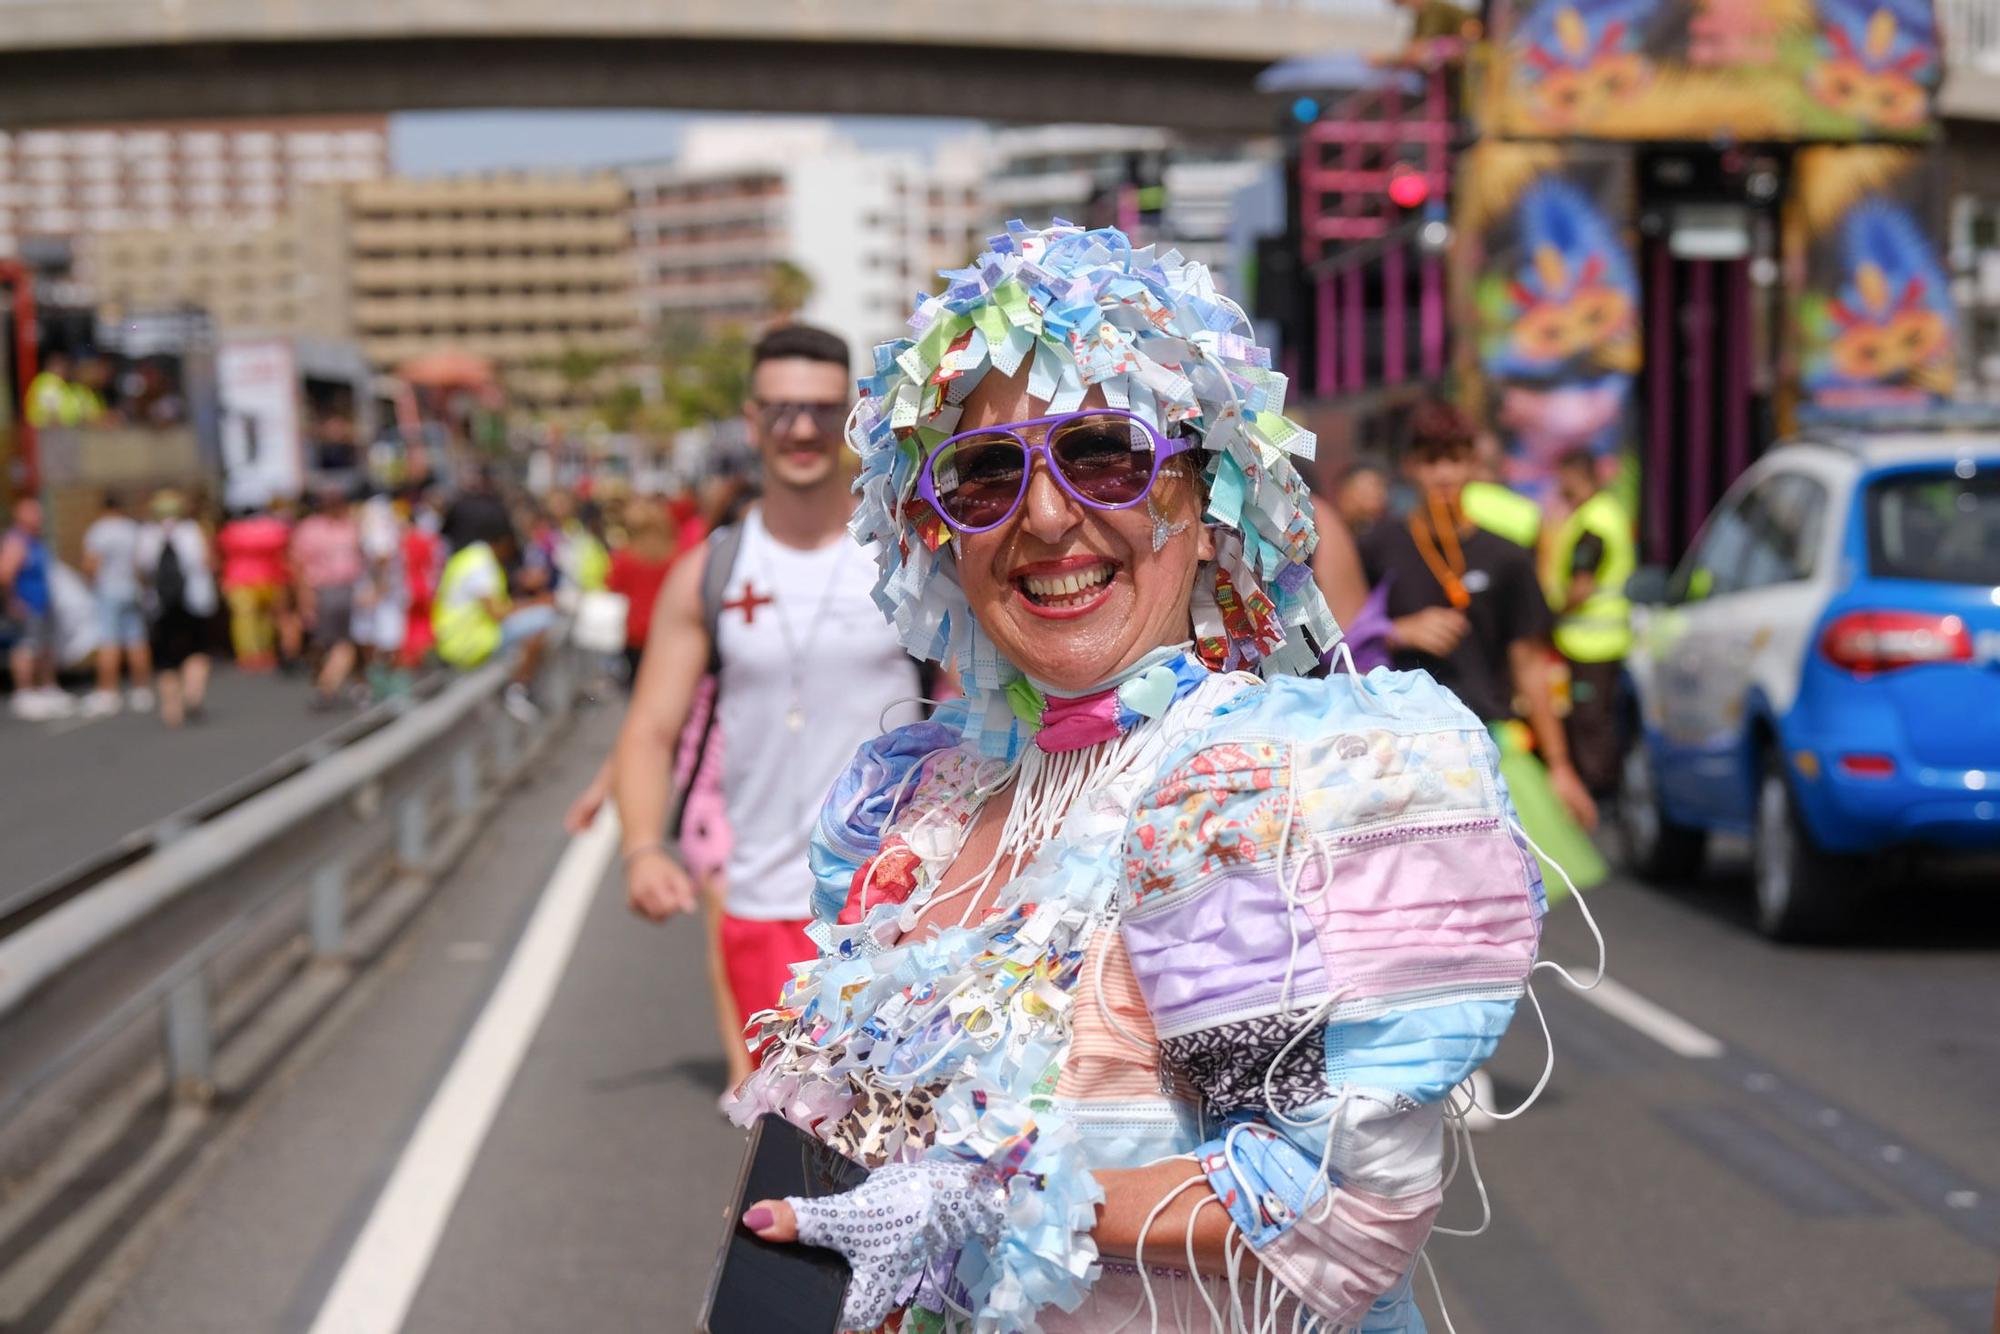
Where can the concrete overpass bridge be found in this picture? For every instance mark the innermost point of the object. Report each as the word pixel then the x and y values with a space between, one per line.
pixel 62 61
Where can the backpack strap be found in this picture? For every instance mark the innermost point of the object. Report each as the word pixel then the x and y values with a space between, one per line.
pixel 723 545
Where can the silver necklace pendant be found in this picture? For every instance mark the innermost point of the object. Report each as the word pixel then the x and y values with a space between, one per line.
pixel 795 718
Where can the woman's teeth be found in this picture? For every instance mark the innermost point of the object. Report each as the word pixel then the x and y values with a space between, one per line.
pixel 1059 590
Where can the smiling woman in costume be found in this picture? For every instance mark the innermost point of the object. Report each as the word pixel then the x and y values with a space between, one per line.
pixel 1150 944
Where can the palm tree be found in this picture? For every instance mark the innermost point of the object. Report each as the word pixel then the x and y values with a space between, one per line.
pixel 787 288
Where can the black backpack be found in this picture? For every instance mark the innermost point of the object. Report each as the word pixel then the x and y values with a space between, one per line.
pixel 169 579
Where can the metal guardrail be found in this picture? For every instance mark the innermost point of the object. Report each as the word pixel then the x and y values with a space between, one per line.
pixel 407 789
pixel 20 906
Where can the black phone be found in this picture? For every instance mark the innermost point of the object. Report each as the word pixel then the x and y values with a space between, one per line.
pixel 761 1287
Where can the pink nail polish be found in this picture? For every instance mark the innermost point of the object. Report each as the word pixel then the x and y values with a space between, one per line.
pixel 758 1219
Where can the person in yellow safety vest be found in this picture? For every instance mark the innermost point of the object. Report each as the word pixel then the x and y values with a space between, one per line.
pixel 52 400
pixel 471 606
pixel 1591 557
pixel 589 558
pixel 474 619
pixel 580 555
pixel 1493 505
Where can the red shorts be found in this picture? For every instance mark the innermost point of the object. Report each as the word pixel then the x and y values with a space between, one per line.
pixel 757 957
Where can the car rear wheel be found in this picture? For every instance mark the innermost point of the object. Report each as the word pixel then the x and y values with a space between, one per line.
pixel 1801 893
pixel 1655 847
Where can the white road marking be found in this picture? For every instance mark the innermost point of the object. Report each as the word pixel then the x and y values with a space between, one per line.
pixel 1671 1031
pixel 64 726
pixel 373 1291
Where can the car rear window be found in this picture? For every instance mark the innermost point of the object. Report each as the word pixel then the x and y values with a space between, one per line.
pixel 1940 526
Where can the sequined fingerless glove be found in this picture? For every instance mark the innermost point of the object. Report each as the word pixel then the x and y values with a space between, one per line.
pixel 894 1225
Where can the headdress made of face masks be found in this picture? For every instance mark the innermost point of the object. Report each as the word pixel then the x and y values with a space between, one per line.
pixel 1082 308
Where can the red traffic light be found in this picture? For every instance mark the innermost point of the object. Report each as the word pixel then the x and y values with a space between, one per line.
pixel 1408 187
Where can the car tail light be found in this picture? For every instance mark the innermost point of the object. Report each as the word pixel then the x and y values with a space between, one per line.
pixel 1868 766
pixel 1882 641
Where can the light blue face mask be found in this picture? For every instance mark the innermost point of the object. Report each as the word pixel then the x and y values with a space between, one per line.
pixel 1134 1134
pixel 1419 1053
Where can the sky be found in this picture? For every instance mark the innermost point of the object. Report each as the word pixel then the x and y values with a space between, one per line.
pixel 430 143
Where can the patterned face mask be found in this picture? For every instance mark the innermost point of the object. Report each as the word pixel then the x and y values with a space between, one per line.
pixel 886 1124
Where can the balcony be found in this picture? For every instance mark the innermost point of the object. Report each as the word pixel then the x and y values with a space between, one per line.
pixel 1972 58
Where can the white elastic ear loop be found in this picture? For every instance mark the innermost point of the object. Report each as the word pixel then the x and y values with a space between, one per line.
pixel 1234 1248
pixel 1548 1065
pixel 1309 1024
pixel 1589 920
pixel 1463 1150
pixel 1289 890
pixel 882 718
pixel 945 1297
pixel 1139 1249
pixel 1357 681
pixel 1437 1291
pixel 1194 1265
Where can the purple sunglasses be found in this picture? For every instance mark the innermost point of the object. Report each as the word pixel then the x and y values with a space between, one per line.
pixel 1104 458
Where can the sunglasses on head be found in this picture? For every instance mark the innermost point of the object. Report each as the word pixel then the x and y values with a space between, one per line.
pixel 1104 458
pixel 827 418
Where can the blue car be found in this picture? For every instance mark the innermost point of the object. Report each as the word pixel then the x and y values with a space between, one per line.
pixel 1822 673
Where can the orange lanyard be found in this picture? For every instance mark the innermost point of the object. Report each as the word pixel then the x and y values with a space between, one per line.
pixel 1448 566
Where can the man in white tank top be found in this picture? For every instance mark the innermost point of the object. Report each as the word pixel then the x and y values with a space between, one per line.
pixel 810 670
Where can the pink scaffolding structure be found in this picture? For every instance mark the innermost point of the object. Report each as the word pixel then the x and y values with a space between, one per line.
pixel 1351 229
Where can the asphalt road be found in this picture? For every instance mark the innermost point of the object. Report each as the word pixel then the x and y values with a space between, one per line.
pixel 75 785
pixel 1806 1142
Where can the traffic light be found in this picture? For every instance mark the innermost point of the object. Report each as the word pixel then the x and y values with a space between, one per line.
pixel 1408 187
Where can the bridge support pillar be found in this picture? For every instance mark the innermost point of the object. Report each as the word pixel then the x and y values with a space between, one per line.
pixel 326 911
pixel 465 780
pixel 504 749
pixel 190 1040
pixel 413 831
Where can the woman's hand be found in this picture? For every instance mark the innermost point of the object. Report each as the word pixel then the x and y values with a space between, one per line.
pixel 773 1220
pixel 892 1227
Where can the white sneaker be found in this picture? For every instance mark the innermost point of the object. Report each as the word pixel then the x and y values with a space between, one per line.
pixel 57 702
pixel 100 704
pixel 139 699
pixel 27 705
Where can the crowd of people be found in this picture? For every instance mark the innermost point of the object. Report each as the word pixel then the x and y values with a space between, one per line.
pixel 354 589
pixel 1086 569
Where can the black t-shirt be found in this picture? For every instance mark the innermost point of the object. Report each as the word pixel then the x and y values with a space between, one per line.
pixel 1507 605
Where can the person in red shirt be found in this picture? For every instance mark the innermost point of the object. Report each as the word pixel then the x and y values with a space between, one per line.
pixel 254 546
pixel 638 569
pixel 685 519
pixel 423 558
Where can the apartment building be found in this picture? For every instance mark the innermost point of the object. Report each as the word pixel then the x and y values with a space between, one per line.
pixel 72 184
pixel 869 229
pixel 248 277
pixel 531 271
